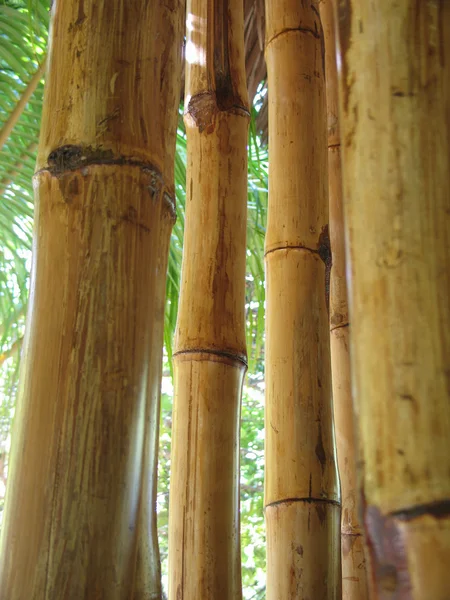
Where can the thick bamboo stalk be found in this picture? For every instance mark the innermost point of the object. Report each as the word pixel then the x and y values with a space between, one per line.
pixel 210 353
pixel 395 100
pixel 354 575
pixel 79 519
pixel 302 495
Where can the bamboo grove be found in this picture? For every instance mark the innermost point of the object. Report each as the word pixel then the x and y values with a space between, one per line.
pixel 357 344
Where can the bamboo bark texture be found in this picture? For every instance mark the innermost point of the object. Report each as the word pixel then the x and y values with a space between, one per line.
pixel 79 519
pixel 210 353
pixel 395 84
pixel 354 572
pixel 302 495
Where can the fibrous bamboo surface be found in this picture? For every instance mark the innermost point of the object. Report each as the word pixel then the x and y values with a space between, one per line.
pixel 302 494
pixel 395 100
pixel 210 353
pixel 354 576
pixel 79 519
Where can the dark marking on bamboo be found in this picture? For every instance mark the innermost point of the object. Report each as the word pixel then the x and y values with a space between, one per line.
pixel 70 158
pixel 321 37
pixel 314 32
pixel 218 46
pixel 324 251
pixel 344 18
pixel 307 500
pixel 388 555
pixel 319 449
pixel 386 538
pixel 234 356
pixel 439 510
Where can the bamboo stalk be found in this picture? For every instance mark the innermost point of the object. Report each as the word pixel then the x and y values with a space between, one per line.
pixel 302 495
pixel 80 516
pixel 354 575
pixel 21 104
pixel 210 353
pixel 395 101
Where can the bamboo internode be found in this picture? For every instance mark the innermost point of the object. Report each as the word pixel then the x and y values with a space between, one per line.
pixel 354 577
pixel 395 101
pixel 80 516
pixel 210 353
pixel 302 495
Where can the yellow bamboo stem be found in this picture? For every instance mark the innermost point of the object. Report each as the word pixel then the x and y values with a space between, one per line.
pixel 302 495
pixel 354 576
pixel 5 131
pixel 210 353
pixel 79 518
pixel 395 101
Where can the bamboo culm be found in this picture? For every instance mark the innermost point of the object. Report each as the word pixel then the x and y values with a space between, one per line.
pixel 210 352
pixel 354 572
pixel 395 107
pixel 80 517
pixel 302 495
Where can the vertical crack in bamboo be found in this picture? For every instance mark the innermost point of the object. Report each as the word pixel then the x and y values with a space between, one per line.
pixel 396 157
pixel 302 495
pixel 210 352
pixel 354 577
pixel 80 516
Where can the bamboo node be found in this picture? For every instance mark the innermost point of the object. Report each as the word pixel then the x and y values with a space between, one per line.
pixel 204 106
pixel 216 354
pixel 307 500
pixel 70 158
pixel 314 32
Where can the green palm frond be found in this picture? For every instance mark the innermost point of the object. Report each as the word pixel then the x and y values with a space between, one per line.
pixel 23 35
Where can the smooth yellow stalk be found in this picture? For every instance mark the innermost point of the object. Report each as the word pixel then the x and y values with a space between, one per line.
pixel 79 520
pixel 302 495
pixel 395 101
pixel 210 354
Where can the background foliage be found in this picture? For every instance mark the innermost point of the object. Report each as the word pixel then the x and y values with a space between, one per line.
pixel 23 41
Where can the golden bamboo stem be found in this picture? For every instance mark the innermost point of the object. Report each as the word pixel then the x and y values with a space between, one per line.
pixel 354 576
pixel 210 353
pixel 5 131
pixel 395 101
pixel 79 519
pixel 302 495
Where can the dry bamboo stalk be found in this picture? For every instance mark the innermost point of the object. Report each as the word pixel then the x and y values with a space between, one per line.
pixel 210 353
pixel 395 106
pixel 354 575
pixel 79 519
pixel 302 493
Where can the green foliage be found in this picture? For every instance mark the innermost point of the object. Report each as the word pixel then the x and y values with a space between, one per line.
pixel 23 41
